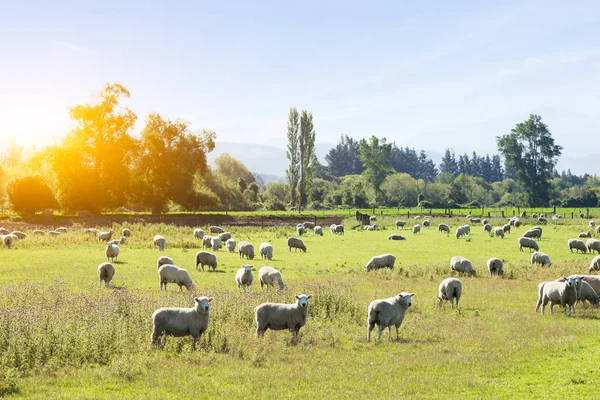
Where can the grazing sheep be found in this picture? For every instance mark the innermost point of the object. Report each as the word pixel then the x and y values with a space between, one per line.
pixel 523 214
pixel 426 223
pixel 225 236
pixel 581 215
pixel 164 260
pixel 543 220
pixel 180 322
pixel 339 229
pixel 475 220
pixel 528 243
pixel 495 266
pixel 598 230
pixel 230 244
pixel 506 228
pixel 244 277
pixel 460 232
pixel 111 251
pixel 159 241
pixel 381 261
pixel 269 276
pixel 318 230
pixel 467 229
pixel 469 216
pixel 587 234
pixel 4 231
pixel 593 244
pixel 118 241
pixel 106 236
pixel 396 237
pixel 564 293
pixel 499 232
pixel 577 245
pixel 308 225
pixel 106 271
pixel 387 313
pixel 537 257
pixel 39 232
pixel 266 251
pixel 207 242
pixel 416 229
pixel 7 240
pixel 533 233
pixel 126 232
pixel 19 234
pixel 595 264
pixel 62 229
pixel 277 316
pixel 484 222
pixel 444 228
pixel 198 233
pixel 332 229
pixel 369 228
pixel 300 230
pixel 487 228
pixel 534 215
pixel 462 265
pixel 54 233
pixel 216 229
pixel 216 243
pixel 586 292
pixel 372 218
pixel 169 273
pixel 400 224
pixel 592 224
pixel 205 258
pixel 246 249
pixel 449 290
pixel 296 243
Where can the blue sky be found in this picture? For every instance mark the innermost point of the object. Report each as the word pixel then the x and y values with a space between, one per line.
pixel 425 74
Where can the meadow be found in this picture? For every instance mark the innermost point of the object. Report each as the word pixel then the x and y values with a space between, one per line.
pixel 64 336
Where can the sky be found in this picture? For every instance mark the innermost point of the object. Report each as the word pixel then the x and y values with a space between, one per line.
pixel 430 75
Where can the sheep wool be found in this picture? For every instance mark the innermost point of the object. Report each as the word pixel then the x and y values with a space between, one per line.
pixel 169 273
pixel 266 251
pixel 106 271
pixel 386 313
pixel 381 261
pixel 277 316
pixel 244 277
pixel 269 276
pixel 450 289
pixel 205 258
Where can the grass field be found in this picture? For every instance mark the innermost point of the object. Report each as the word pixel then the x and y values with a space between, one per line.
pixel 62 336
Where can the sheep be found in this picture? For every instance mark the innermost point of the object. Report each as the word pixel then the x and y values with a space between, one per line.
pixel 537 257
pixel 126 232
pixel 400 224
pixel 469 216
pixel 467 229
pixel 375 227
pixel 564 293
pixel 372 218
pixel 207 242
pixel 4 231
pixel 159 241
pixel 595 264
pixel 106 236
pixel 475 220
pixel 339 229
pixel 387 313
pixel 300 230
pixel 396 237
pixel 495 266
pixel 426 223
pixel 449 289
pixel 499 232
pixel 444 228
pixel 318 230
pixel 198 233
pixel 7 240
pixel 515 221
pixel 484 222
pixel 592 280
pixel 592 224
pixel 106 271
pixel 416 229
pixel 216 229
pixel 528 243
pixel 296 243
pixel 598 230
pixel 308 225
pixel 577 245
pixel 368 228
pixel 460 232
pixel 61 229
pixel 543 220
pixel 180 322
pixel 462 265
pixel 19 234
pixel 332 228
pixel 381 261
pixel 586 292
pixel 216 243
pixel 581 215
pixel 534 215
pixel 205 258
pixel 269 276
pixel 523 214
pixel 111 251
pixel 246 249
pixel 225 236
pixel 169 273
pixel 266 251
pixel 277 316
pixel 39 232
pixel 230 244
pixel 506 228
pixel 91 230
pixel 164 260
pixel 533 233
pixel 487 228
pixel 593 244
pixel 54 233
pixel 244 277
pixel 584 235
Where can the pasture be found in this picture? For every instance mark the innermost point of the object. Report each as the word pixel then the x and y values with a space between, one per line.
pixel 63 336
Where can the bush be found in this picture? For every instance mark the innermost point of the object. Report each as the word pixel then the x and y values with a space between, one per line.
pixel 30 194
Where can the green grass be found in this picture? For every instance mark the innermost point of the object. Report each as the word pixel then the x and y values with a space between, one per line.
pixel 62 336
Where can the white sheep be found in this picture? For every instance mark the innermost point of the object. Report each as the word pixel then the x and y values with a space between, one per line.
pixel 593 245
pixel 484 222
pixel 578 245
pixel 528 243
pixel 244 277
pixel 19 234
pixel 450 289
pixel 339 229
pixel 592 224
pixel 586 292
pixel 54 233
pixel 216 230
pixel 106 271
pixel 595 264
pixel 164 260
pixel 381 261
pixel 225 236
pixel 296 243
pixel 300 230
pixel 460 232
pixel 506 228
pixel 534 215
pixel 269 276
pixel 332 228
pixel 535 233
pixel 159 241
pixel 216 243
pixel 39 232
pixel 499 232
pixel 61 229
pixel 416 229
pixel 105 236
pixel 462 265
pixel 91 230
pixel 308 225
pixel 277 316
pixel 7 240
pixel 387 313
pixel 400 224
pixel 126 232
pixel 318 230
pixel 418 217
pixel 444 228
pixel 564 293
pixel 537 257
pixel 169 273
pixel 246 249
pixel 372 218
pixel 198 233
pixel 543 220
pixel 230 244
pixel 584 235
pixel 205 258
pixel 180 322
pixel 495 266
pixel 487 228
pixel 396 237
pixel 426 223
pixel 112 251
pixel 207 242
pixel 266 251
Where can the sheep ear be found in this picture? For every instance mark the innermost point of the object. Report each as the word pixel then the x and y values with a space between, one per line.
pixel 196 299
pixel 411 294
pixel 298 297
pixel 309 296
pixel 210 299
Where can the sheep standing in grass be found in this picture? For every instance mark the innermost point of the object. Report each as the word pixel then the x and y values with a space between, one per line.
pixel 400 224
pixel 592 224
pixel 61 229
pixel 534 215
pixel 269 276
pixel 318 230
pixel 164 260
pixel 381 261
pixel 308 225
pixel 543 220
pixel 332 229
pixel 112 252
pixel 92 230
pixel 487 228
pixel 372 218
pixel 563 293
pixel 534 233
pixel 54 233
pixel 484 222
pixel 387 313
pixel 207 242
pixel 300 230
pixel 277 316
pixel 598 230
pixel 296 243
pixel 426 223
pixel 216 243
pixel 7 240
pixel 460 232
pixel 578 245
pixel 537 257
pixel 169 273
pixel 180 322
pixel 230 244
pixel 160 242
pixel 495 266
pixel 416 229
pixel 584 235
pixel 4 231
pixel 244 277
pixel 205 258
pixel 339 229
pixel 19 234
pixel 462 265
pixel 198 233
pixel 586 292
pixel 499 232
pixel 126 232
pixel 595 264
pixel 39 232
pixel 506 228
pixel 450 289
pixel 215 230
pixel 246 249
pixel 444 228
pixel 593 244
pixel 396 237
pixel 225 236
pixel 266 251
pixel 106 271
pixel 105 236
pixel 528 243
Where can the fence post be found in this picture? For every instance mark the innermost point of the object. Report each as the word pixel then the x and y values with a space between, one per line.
pixel 408 214
pixel 503 214
pixel 572 215
pixel 587 213
pixel 489 215
pixel 315 220
pixel 554 210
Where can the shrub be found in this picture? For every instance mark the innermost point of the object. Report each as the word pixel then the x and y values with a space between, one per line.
pixel 30 194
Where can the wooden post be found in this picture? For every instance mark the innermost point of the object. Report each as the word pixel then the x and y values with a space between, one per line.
pixel 315 220
pixel 587 213
pixel 408 214
pixel 572 215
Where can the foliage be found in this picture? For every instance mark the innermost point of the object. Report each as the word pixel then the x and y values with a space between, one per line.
pixel 30 194
pixel 233 169
pixel 293 154
pixel 375 156
pixel 307 157
pixel 418 165
pixel 344 158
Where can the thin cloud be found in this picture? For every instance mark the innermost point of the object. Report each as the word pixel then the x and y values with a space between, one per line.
pixel 66 45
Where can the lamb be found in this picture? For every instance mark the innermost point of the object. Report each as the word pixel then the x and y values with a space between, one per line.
pixel 506 228
pixel 180 322
pixel 300 230
pixel 7 240
pixel 537 257
pixel 164 260
pixel 462 265
pixel 106 271
pixel 216 243
pixel 581 215
pixel 318 230
pixel 495 266
pixel 595 264
pixel 387 313
pixel 339 229
pixel 369 228
pixel 230 244
pixel 112 251
pixel 308 225
pixel 400 224
pixel 205 258
pixel 19 234
pixel 296 243
pixel 499 232
pixel 487 228
pixel 528 243
pixel 225 236
pixel 564 293
pixel 381 261
pixel 126 232
pixel 198 233
pixel 106 236
pixel 39 232
pixel 449 289
pixel 269 276
pixel 277 316
pixel 396 237
pixel 169 273
pixel 587 234
pixel 159 241
pixel 207 242
pixel 216 229
pixel 593 244
pixel 592 224
pixel 61 229
pixel 244 277
pixel 416 229
pixel 577 245
pixel 533 233
pixel 266 251
pixel 444 228
pixel 246 249
pixel 426 223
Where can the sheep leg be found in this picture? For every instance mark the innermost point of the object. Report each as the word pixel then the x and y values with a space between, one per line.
pixel 397 334
pixel 369 329
pixel 196 340
pixel 381 328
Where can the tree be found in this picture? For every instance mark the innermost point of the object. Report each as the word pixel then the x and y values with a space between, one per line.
pixel 344 158
pixel 233 169
pixel 293 154
pixel 242 184
pixel 531 150
pixel 30 194
pixel 375 156
pixel 449 164
pixel 308 158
